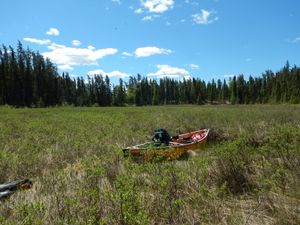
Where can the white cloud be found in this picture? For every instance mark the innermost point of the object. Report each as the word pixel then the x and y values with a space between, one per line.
pixel 53 31
pixel 65 67
pixel 171 72
pixel 76 43
pixel 127 54
pixel 157 6
pixel 38 41
pixel 117 73
pixel 72 56
pixel 149 18
pixel 114 73
pixel 151 50
pixel 74 76
pixel 296 40
pixel 205 17
pixel 194 66
pixel 91 47
pixel 139 11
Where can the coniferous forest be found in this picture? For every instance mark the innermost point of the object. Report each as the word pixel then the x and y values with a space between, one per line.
pixel 28 79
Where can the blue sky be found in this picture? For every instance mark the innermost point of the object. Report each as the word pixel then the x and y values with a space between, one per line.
pixel 188 38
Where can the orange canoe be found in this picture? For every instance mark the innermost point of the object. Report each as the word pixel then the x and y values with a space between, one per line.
pixel 176 148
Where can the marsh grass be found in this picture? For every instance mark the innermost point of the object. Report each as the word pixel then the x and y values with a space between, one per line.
pixel 248 174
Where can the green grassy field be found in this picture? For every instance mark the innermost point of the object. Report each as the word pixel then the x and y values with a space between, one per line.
pixel 248 174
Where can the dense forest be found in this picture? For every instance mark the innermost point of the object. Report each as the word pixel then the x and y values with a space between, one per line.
pixel 28 79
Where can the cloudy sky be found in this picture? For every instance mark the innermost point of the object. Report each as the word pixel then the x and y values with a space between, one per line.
pixel 156 38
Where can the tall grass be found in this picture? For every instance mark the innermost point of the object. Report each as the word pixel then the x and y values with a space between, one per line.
pixel 248 174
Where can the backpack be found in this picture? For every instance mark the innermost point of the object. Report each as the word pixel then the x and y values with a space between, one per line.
pixel 162 136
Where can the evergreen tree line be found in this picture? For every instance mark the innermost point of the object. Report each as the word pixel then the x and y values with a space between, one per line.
pixel 28 79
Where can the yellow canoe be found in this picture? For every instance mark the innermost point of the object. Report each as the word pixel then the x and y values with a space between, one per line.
pixel 176 148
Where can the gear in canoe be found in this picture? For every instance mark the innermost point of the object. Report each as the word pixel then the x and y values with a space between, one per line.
pixel 9 188
pixel 164 145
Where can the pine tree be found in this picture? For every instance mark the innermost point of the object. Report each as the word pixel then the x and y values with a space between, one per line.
pixel 295 85
pixel 21 73
pixel 162 92
pixel 2 80
pixel 224 92
pixel 155 93
pixel 131 89
pixel 28 79
pixel 119 94
pixel 233 91
pixel 108 94
pixel 240 89
pixel 219 91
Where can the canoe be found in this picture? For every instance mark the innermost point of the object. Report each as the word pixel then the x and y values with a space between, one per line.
pixel 177 147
